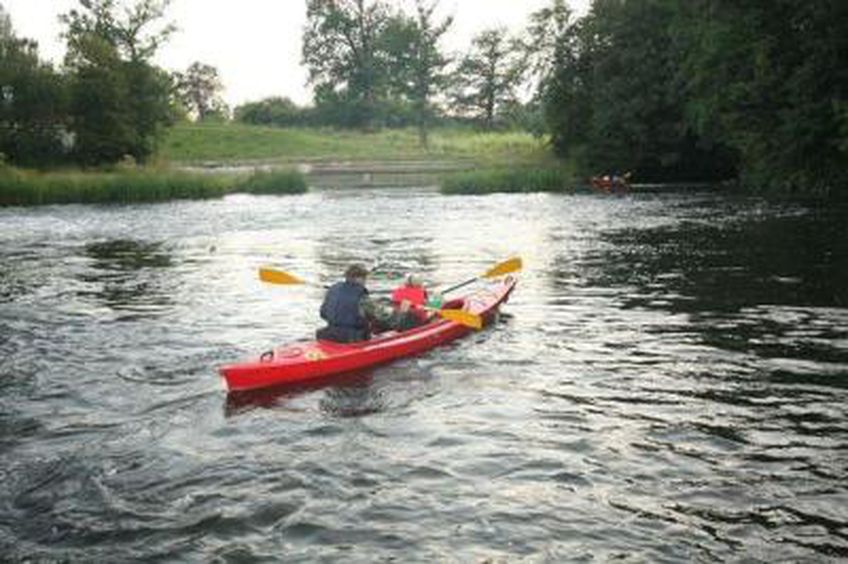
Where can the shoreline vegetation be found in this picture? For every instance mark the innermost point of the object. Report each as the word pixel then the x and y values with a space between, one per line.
pixel 201 161
pixel 20 187
pixel 560 178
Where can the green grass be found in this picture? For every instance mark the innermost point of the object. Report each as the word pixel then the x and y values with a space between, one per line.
pixel 28 188
pixel 522 179
pixel 234 143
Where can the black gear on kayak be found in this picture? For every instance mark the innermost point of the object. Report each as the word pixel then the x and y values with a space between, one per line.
pixel 341 311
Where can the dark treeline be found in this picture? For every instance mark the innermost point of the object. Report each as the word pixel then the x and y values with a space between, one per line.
pixel 706 89
pixel 668 89
pixel 107 102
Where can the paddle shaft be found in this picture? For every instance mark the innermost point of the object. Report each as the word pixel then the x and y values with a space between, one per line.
pixel 460 285
pixel 505 267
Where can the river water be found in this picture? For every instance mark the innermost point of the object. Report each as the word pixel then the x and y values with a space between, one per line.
pixel 669 382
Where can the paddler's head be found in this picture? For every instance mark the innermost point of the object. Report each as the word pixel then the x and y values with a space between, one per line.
pixel 413 279
pixel 356 273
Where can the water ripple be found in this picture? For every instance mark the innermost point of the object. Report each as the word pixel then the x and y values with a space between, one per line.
pixel 668 383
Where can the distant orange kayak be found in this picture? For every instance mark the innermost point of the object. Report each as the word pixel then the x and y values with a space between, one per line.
pixel 611 184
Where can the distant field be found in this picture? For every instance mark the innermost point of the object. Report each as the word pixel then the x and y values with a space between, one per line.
pixel 233 143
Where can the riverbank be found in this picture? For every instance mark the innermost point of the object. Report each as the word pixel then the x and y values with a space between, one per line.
pixel 20 187
pixel 221 145
pixel 198 161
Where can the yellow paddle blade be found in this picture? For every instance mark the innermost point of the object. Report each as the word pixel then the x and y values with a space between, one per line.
pixel 278 277
pixel 463 317
pixel 505 267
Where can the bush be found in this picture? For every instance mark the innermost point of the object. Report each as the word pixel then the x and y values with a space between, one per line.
pixel 487 181
pixel 273 182
pixel 276 111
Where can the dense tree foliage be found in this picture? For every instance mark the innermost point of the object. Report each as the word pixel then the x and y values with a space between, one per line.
pixel 120 101
pixel 488 75
pixel 372 64
pixel 540 41
pixel 33 102
pixel 705 89
pixel 416 65
pixel 615 98
pixel 769 78
pixel 276 111
pixel 341 49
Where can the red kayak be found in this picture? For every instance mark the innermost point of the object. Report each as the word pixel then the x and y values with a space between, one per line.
pixel 306 361
pixel 611 184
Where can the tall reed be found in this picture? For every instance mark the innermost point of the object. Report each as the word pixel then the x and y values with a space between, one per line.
pixel 27 188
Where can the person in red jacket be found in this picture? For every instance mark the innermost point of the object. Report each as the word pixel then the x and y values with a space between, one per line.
pixel 410 300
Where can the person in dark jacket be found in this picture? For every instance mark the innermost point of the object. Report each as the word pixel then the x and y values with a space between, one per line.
pixel 348 310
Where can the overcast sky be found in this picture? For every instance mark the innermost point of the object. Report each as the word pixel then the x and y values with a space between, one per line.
pixel 255 44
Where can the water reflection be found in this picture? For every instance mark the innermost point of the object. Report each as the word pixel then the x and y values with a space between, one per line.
pixel 13 283
pixel 345 395
pixel 388 256
pixel 126 275
pixel 128 255
pixel 747 287
pixel 726 263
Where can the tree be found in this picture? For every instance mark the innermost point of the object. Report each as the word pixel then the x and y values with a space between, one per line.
pixel 487 76
pixel 637 117
pixel 768 78
pixel 278 111
pixel 566 98
pixel 613 100
pixel 129 35
pixel 6 31
pixel 417 67
pixel 199 90
pixel 548 27
pixel 120 101
pixel 33 105
pixel 341 51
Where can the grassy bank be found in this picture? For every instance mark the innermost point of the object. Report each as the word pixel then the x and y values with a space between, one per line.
pixel 523 179
pixel 27 188
pixel 233 143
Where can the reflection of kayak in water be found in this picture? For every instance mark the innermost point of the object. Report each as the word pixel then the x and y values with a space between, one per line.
pixel 341 388
pixel 307 361
pixel 611 183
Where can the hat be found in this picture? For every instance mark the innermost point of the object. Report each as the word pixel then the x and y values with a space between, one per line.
pixel 356 271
